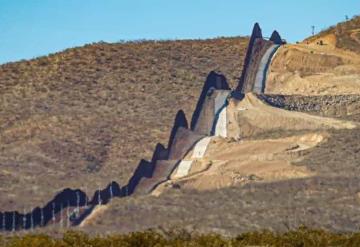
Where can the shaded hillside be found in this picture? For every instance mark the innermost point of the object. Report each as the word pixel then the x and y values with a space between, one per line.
pixel 346 34
pixel 86 116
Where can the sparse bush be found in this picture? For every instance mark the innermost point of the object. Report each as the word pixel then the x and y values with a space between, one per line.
pixel 301 237
pixel 100 99
pixel 343 32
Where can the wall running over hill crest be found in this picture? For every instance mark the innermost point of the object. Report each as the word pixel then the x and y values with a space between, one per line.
pixel 209 119
pixel 258 56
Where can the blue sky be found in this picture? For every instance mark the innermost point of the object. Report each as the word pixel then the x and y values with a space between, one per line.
pixel 31 28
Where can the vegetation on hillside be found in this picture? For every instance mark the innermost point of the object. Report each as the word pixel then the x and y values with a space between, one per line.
pixel 347 34
pixel 300 237
pixel 86 116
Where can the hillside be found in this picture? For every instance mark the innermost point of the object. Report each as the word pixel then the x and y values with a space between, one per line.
pixel 290 159
pixel 344 35
pixel 281 176
pixel 276 149
pixel 325 64
pixel 86 116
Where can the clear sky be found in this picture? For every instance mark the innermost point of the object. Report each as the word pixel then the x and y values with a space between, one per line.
pixel 31 28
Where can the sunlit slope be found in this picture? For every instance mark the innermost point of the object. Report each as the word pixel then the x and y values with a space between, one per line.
pixel 325 64
pixel 344 35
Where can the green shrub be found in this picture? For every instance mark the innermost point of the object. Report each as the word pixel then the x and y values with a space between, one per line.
pixel 301 237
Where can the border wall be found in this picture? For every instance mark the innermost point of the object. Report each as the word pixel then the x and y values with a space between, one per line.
pixel 149 174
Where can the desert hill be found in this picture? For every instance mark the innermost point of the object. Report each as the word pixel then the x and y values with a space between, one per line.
pixel 286 156
pixel 325 64
pixel 86 116
pixel 290 160
pixel 344 35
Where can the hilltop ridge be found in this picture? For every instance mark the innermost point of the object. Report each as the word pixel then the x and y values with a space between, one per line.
pixel 344 35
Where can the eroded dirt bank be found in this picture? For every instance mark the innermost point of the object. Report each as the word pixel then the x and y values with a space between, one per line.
pixel 314 70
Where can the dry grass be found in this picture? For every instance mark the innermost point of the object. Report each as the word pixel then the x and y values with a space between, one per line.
pixel 330 203
pixel 85 116
pixel 300 237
